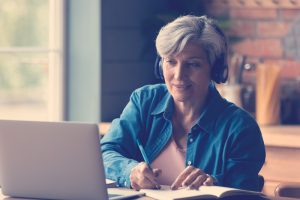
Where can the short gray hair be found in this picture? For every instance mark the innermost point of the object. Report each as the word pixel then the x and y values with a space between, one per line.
pixel 173 37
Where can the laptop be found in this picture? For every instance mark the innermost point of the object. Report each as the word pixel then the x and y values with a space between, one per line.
pixel 53 160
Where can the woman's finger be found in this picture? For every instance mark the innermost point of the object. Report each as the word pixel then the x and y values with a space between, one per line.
pixel 135 186
pixel 192 176
pixel 181 177
pixel 157 172
pixel 198 182
pixel 209 181
pixel 142 176
pixel 145 183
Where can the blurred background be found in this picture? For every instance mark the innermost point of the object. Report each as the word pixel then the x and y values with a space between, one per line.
pixel 80 60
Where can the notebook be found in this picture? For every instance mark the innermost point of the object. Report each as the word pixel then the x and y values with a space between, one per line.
pixel 53 160
pixel 204 192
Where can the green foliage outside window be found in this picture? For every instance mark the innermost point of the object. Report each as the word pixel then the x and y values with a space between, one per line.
pixel 23 24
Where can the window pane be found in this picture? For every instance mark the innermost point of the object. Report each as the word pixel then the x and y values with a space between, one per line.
pixel 24 86
pixel 24 23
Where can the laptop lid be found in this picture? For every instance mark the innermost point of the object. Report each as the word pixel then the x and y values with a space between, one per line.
pixel 51 160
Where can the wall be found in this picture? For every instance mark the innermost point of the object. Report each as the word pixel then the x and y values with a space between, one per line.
pixel 268 33
pixel 124 65
pixel 83 60
pixel 129 29
pixel 264 28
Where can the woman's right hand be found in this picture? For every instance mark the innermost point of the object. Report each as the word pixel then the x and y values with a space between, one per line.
pixel 142 177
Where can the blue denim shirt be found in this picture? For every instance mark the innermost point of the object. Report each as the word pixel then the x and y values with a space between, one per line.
pixel 226 142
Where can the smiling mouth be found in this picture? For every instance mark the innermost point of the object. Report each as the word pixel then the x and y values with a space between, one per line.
pixel 181 87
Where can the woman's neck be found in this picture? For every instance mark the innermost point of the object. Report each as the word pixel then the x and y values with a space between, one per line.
pixel 188 112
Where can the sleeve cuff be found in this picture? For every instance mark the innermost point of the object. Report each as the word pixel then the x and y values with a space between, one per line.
pixel 124 181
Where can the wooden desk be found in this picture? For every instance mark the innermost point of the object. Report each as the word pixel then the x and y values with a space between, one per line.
pixel 148 198
pixel 103 127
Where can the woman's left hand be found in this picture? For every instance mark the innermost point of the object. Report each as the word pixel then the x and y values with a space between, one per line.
pixel 192 178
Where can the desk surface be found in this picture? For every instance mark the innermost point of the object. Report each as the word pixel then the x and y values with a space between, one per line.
pixel 148 198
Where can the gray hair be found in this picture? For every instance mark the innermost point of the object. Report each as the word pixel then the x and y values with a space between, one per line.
pixel 173 37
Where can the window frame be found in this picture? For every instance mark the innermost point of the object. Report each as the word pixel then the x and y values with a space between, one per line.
pixel 56 108
pixel 56 58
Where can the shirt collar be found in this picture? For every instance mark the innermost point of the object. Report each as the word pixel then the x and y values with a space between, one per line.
pixel 213 106
pixel 164 105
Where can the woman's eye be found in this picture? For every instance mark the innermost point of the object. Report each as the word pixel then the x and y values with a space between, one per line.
pixel 171 62
pixel 193 64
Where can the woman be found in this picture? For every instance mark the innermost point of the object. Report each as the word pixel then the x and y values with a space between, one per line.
pixel 191 135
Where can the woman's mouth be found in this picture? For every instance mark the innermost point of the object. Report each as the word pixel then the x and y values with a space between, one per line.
pixel 181 87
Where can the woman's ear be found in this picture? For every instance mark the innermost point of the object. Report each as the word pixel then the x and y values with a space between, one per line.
pixel 158 71
pixel 219 71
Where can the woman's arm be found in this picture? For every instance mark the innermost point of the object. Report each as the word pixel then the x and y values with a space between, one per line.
pixel 244 159
pixel 120 153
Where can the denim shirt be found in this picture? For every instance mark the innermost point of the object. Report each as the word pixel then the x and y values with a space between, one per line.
pixel 226 141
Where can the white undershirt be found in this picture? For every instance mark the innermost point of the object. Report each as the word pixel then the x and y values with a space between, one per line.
pixel 171 161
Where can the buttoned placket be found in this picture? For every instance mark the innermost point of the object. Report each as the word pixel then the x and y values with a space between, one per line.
pixel 190 146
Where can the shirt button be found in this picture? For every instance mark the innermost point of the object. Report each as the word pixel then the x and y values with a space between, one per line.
pixel 189 162
pixel 191 140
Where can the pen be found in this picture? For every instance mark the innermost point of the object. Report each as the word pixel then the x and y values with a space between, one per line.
pixel 143 153
pixel 145 157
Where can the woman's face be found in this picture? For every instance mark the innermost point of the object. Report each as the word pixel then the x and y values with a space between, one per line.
pixel 187 75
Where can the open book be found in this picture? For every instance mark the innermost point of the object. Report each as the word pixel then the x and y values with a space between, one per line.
pixel 110 183
pixel 204 192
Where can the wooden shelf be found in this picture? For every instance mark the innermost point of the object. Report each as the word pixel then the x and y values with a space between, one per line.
pixel 281 136
pixel 283 156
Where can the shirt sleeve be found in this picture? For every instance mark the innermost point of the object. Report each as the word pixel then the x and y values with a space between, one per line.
pixel 118 146
pixel 245 157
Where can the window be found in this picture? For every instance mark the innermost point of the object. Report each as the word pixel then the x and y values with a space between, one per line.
pixel 31 59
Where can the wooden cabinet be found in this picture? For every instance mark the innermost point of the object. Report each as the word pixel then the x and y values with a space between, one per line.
pixel 283 156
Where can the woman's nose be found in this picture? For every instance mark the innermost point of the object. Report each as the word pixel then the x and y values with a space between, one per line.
pixel 179 72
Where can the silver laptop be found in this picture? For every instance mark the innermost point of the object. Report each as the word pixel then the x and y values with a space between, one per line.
pixel 52 160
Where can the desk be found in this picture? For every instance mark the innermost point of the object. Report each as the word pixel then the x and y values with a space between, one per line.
pixel 103 127
pixel 148 198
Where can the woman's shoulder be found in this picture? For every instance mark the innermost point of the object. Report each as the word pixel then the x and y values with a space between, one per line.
pixel 239 118
pixel 151 90
pixel 226 111
pixel 150 94
pixel 151 97
pixel 152 87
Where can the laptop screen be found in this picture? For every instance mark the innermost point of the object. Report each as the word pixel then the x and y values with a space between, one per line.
pixel 54 160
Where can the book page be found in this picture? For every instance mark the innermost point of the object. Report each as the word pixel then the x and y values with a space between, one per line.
pixel 224 191
pixel 204 192
pixel 165 193
pixel 122 193
pixel 110 183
